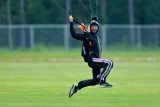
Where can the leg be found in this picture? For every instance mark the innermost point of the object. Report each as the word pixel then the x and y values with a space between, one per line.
pixel 102 63
pixel 90 82
pixel 106 70
pixel 85 83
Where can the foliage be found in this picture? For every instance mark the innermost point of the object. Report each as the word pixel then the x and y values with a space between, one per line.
pixel 47 12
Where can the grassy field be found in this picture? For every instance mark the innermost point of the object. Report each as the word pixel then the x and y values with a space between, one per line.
pixel 46 84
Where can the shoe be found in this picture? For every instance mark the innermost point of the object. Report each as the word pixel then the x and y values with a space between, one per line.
pixel 105 85
pixel 73 90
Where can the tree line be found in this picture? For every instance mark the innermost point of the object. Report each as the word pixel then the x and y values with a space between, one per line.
pixel 108 11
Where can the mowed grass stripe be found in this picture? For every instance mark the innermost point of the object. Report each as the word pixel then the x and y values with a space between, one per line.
pixel 46 84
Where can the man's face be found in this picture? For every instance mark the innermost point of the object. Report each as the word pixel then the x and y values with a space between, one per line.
pixel 94 28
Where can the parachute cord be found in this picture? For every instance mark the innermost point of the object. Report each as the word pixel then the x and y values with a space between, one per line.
pixel 96 4
pixel 82 15
pixel 59 6
pixel 84 6
pixel 64 10
pixel 90 3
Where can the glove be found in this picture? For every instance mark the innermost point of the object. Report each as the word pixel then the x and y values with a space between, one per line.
pixel 70 18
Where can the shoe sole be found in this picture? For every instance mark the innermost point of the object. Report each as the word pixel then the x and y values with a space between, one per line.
pixel 71 90
pixel 105 86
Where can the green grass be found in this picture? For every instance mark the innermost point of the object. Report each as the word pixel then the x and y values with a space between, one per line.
pixel 46 84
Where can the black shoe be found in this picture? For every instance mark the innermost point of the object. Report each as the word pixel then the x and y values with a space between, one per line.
pixel 105 85
pixel 73 90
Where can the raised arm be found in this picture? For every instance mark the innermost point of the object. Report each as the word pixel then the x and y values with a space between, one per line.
pixel 78 36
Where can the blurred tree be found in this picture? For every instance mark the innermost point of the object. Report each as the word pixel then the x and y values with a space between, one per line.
pixel 116 12
pixel 68 7
pixel 103 11
pixel 152 12
pixel 23 4
pixel 131 21
pixel 10 38
pixel 3 12
pixel 147 12
pixel 45 12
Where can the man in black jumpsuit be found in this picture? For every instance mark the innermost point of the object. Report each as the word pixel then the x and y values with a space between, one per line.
pixel 91 52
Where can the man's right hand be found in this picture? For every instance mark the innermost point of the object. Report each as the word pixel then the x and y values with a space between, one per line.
pixel 70 18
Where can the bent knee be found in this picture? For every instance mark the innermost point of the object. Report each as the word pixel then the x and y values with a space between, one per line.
pixel 95 81
pixel 109 63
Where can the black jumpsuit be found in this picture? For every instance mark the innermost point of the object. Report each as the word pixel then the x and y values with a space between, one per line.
pixel 91 52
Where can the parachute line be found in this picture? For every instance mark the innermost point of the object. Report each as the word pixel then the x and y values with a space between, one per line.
pixel 59 5
pixel 84 6
pixel 90 3
pixel 96 4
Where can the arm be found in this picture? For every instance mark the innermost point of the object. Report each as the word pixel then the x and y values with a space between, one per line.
pixel 75 35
